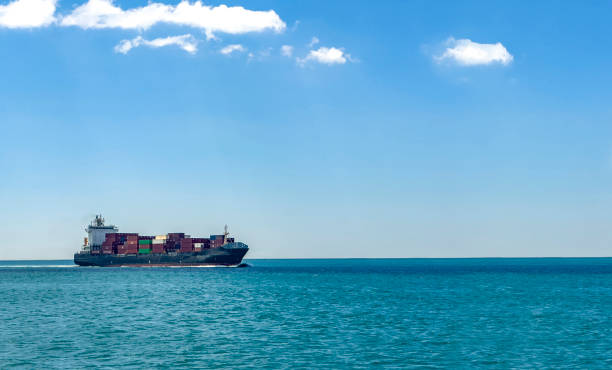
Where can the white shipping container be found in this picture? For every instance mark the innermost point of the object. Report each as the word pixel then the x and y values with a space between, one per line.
pixel 197 245
pixel 159 241
pixel 161 237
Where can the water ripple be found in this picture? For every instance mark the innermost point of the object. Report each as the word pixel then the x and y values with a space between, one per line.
pixel 304 314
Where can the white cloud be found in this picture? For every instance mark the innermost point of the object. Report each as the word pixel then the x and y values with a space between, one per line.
pixel 260 55
pixel 287 50
pixel 27 13
pixel 229 49
pixel 326 56
pixel 313 42
pixel 185 42
pixel 468 53
pixel 232 20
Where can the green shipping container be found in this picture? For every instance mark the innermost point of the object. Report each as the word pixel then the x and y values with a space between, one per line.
pixel 140 242
pixel 144 251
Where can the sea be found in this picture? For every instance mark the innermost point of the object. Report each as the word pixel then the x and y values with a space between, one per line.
pixel 321 313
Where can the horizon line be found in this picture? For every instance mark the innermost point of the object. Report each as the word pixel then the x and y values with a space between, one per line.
pixel 366 258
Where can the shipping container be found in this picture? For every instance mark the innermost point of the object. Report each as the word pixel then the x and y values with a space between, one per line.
pixel 144 251
pixel 186 245
pixel 145 241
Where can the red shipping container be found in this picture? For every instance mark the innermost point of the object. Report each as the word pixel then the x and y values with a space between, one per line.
pixel 176 236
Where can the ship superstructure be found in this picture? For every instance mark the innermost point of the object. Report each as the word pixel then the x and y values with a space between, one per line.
pixel 105 246
pixel 96 233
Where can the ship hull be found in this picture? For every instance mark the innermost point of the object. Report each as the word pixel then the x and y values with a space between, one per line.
pixel 208 257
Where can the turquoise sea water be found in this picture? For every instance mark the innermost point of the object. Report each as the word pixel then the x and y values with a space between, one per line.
pixel 402 313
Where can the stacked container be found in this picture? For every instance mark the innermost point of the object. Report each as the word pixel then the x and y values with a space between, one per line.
pixel 122 249
pixel 158 248
pixel 159 244
pixel 131 246
pixel 124 243
pixel 108 244
pixel 186 245
pixel 176 236
pixel 144 244
pixel 160 239
pixel 171 246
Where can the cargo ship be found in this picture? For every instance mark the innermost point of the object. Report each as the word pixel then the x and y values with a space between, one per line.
pixel 104 246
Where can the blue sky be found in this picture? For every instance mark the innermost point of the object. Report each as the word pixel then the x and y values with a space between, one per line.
pixel 410 129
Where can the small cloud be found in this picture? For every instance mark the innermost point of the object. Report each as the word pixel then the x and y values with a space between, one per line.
pixel 185 42
pixel 287 50
pixel 27 13
pixel 465 52
pixel 260 55
pixel 265 53
pixel 326 56
pixel 295 26
pixel 229 49
pixel 313 42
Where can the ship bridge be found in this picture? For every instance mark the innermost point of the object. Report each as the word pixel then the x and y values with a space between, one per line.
pixel 96 233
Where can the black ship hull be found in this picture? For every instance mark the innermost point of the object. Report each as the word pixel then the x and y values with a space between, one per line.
pixel 208 257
